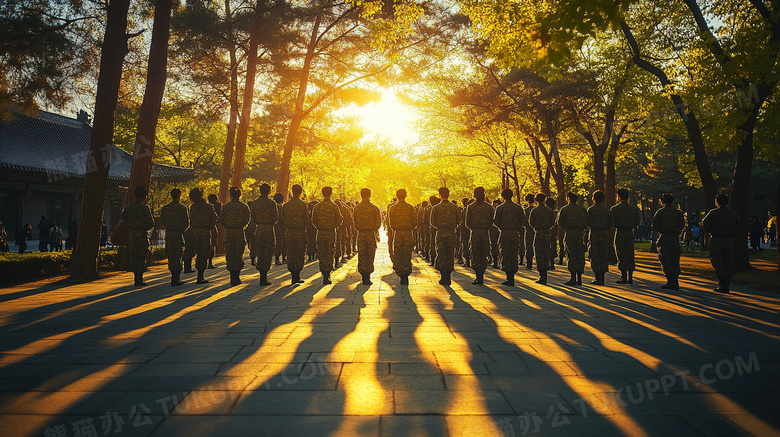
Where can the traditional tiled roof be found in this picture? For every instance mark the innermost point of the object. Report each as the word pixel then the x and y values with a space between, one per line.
pixel 55 147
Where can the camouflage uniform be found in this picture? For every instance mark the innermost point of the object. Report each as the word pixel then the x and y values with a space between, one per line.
pixel 509 219
pixel 669 222
pixel 627 218
pixel 599 222
pixel 445 218
pixel 573 219
pixel 402 220
pixel 295 215
pixel 367 220
pixel 542 220
pixel 175 219
pixel 203 218
pixel 479 219
pixel 529 237
pixel 139 219
pixel 234 217
pixel 265 214
pixel 326 218
pixel 189 247
pixel 723 224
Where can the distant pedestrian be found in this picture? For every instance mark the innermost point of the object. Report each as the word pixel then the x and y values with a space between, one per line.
pixel 23 236
pixel 44 227
pixel 755 231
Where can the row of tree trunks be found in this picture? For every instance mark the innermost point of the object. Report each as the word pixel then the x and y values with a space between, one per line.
pixel 84 264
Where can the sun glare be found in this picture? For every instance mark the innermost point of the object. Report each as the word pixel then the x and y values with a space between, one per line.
pixel 390 120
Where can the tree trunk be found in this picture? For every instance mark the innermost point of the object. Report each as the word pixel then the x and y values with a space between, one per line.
pixel 741 193
pixel 295 124
pixel 249 89
pixel 227 155
pixel 610 188
pixel 84 263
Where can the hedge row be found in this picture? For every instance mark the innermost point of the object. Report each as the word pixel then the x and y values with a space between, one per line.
pixel 16 267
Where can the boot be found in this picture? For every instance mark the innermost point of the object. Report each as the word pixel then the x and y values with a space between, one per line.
pixel 366 278
pixel 188 266
pixel 510 279
pixel 235 278
pixel 139 279
pixel 630 279
pixel 264 279
pixel 211 266
pixel 572 280
pixel 298 279
pixel 176 279
pixel 671 283
pixel 723 284
pixel 623 277
pixel 443 280
pixel 201 280
pixel 326 278
pixel 405 280
pixel 448 278
pixel 542 278
pixel 293 278
pixel 579 278
pixel 599 278
pixel 479 279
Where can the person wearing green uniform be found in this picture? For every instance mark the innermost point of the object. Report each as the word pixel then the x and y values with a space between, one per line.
pixel 367 219
pixel 445 218
pixel 599 222
pixel 479 219
pixel 175 219
pixel 212 199
pixel 542 220
pixel 465 233
pixel 529 232
pixel 627 217
pixel 723 225
pixel 403 220
pixel 139 219
pixel 573 219
pixel 389 229
pixel 280 240
pixel 669 222
pixel 295 216
pixel 510 220
pixel 203 218
pixel 265 214
pixel 326 217
pixel 234 216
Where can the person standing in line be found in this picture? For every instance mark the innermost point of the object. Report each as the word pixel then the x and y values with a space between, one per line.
pixel 175 219
pixel 249 236
pixel 295 216
pixel 626 217
pixel 311 235
pixel 465 233
pixel 599 222
pixel 234 217
pixel 668 221
pixel 139 219
pixel 326 217
pixel 573 219
pixel 432 201
pixel 542 220
pixel 279 233
pixel 479 219
pixel 403 220
pixel 723 226
pixel 214 231
pixel 510 220
pixel 445 218
pixel 367 220
pixel 529 232
pixel 495 251
pixel 390 229
pixel 265 214
pixel 203 219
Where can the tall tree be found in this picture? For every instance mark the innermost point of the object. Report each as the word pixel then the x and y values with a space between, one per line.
pixel 84 264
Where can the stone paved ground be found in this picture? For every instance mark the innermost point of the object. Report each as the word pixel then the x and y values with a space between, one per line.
pixel 104 358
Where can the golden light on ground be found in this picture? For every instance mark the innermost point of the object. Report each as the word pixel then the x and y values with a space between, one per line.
pixel 390 119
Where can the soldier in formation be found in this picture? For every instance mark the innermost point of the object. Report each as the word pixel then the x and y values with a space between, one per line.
pixel 722 224
pixel 139 219
pixel 234 216
pixel 668 221
pixel 214 231
pixel 249 235
pixel 529 232
pixel 367 220
pixel 479 219
pixel 326 217
pixel 550 202
pixel 494 232
pixel 265 214
pixel 573 219
pixel 279 233
pixel 403 220
pixel 445 218
pixel 175 219
pixel 509 219
pixel 542 219
pixel 599 222
pixel 311 235
pixel 296 218
pixel 388 228
pixel 203 218
pixel 465 233
pixel 627 217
